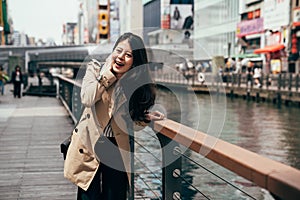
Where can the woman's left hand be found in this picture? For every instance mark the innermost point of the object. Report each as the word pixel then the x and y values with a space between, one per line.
pixel 155 115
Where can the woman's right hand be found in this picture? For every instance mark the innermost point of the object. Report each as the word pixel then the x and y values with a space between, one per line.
pixel 155 115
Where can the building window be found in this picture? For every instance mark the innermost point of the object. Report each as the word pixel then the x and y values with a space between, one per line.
pixel 182 2
pixel 250 15
pixel 257 13
pixel 244 16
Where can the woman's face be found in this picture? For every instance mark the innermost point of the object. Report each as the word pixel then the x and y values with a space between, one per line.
pixel 122 58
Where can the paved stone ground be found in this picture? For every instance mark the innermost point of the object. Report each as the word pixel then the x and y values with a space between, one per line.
pixel 31 165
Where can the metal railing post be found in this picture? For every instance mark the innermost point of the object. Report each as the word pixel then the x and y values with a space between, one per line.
pixel 77 107
pixel 297 82
pixel 171 170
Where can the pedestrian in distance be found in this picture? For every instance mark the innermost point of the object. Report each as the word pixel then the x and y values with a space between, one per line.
pixel 117 96
pixel 17 78
pixel 3 79
pixel 238 66
pixel 257 76
pixel 249 73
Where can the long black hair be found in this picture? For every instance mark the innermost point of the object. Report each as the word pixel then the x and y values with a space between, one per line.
pixel 137 84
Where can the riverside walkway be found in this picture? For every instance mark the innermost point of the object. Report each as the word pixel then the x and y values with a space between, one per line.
pixel 31 165
pixel 31 129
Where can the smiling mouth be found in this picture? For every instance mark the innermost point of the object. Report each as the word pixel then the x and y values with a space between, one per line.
pixel 119 64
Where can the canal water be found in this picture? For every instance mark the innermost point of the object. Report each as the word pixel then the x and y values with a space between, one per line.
pixel 262 127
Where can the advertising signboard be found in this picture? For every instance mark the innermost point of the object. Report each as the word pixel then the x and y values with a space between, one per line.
pixel 250 27
pixel 177 14
pixel 181 16
pixel 275 66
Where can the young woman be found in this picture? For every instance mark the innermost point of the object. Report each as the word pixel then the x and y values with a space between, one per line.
pixel 117 96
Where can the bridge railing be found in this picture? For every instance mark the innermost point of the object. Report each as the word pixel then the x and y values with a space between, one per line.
pixel 282 81
pixel 282 181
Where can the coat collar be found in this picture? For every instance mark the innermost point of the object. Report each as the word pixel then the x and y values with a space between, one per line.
pixel 119 97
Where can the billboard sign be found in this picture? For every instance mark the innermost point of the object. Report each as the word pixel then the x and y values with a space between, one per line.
pixel 250 27
pixel 181 16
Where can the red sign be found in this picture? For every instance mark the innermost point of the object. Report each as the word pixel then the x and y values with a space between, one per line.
pixel 165 22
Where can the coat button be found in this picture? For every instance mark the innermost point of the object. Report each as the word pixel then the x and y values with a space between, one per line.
pixel 88 115
pixel 80 150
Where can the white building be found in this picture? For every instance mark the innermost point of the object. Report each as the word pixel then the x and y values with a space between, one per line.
pixel 19 39
pixel 131 16
pixel 215 24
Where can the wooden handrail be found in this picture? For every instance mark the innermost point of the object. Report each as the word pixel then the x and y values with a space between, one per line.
pixel 71 81
pixel 279 179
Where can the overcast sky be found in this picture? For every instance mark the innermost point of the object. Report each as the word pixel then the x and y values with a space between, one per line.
pixel 42 18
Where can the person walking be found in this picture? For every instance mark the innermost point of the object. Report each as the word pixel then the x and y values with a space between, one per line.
pixel 16 79
pixel 117 96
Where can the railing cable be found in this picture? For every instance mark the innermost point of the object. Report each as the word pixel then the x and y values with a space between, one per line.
pixel 181 177
pixel 148 186
pixel 147 151
pixel 215 175
pixel 140 197
pixel 147 168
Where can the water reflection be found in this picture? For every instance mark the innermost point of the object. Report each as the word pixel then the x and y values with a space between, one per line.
pixel 259 127
pixel 265 129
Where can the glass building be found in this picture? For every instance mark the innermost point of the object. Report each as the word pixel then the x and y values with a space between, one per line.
pixel 215 28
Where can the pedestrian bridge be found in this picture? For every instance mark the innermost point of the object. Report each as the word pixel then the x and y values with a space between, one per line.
pixel 32 129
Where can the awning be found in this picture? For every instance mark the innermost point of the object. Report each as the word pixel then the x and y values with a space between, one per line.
pixel 269 49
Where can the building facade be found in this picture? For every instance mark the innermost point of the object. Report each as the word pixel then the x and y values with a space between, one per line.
pixel 275 38
pixel 215 28
pixel 294 44
pixel 131 16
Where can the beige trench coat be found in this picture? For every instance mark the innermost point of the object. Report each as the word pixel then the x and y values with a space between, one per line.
pixel 81 163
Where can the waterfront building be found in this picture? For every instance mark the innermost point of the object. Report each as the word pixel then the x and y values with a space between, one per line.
pixel 273 33
pixel 204 29
pixel 294 42
pixel 215 28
